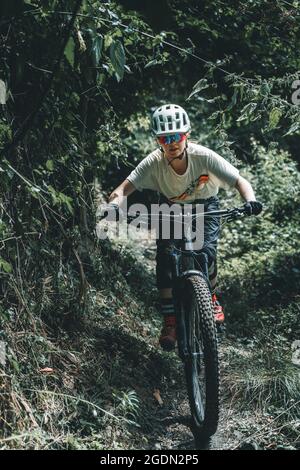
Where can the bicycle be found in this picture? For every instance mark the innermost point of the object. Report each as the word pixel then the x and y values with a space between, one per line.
pixel 196 328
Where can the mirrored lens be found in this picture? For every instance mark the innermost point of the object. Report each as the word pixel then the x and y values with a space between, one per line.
pixel 168 139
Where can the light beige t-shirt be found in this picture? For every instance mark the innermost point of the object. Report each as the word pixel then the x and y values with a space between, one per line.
pixel 206 172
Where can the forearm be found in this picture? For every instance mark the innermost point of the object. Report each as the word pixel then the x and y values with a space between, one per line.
pixel 119 195
pixel 245 189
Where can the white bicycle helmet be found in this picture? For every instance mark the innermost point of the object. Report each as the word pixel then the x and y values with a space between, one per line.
pixel 169 119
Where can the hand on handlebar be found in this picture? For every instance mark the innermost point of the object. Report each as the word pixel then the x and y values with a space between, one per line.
pixel 253 207
pixel 111 211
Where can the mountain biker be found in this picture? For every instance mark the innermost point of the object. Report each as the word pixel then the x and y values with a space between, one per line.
pixel 183 172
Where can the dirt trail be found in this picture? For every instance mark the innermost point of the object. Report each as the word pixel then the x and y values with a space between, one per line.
pixel 170 422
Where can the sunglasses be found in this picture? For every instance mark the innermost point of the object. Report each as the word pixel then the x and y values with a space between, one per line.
pixel 169 139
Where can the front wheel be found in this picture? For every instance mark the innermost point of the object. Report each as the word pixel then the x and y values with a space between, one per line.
pixel 201 364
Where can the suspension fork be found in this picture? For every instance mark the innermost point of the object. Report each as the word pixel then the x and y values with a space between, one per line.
pixel 177 293
pixel 178 286
pixel 178 296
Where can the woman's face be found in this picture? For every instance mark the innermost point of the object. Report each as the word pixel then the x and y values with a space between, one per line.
pixel 173 149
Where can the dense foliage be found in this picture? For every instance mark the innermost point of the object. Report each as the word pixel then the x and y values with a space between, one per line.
pixel 78 81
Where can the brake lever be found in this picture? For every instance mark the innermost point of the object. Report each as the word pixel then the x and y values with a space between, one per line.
pixel 231 218
pixel 235 213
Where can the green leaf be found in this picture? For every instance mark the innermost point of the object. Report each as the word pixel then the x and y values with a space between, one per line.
pixel 70 51
pixel 292 129
pixel 151 63
pixel 54 194
pixel 233 99
pixel 247 111
pixel 2 92
pixel 67 201
pixel 34 191
pixel 97 46
pixel 117 56
pixel 32 4
pixel 15 365
pixel 200 85
pixel 215 115
pixel 274 117
pixel 5 266
pixel 108 40
pixel 112 14
pixel 49 165
pixel 265 88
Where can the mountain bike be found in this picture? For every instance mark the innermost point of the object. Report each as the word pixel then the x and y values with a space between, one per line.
pixel 196 328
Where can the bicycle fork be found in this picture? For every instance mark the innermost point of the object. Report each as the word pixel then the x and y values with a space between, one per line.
pixel 178 298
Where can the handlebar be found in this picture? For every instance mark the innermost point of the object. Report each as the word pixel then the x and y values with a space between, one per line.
pixel 228 214
pixel 146 218
pixel 219 213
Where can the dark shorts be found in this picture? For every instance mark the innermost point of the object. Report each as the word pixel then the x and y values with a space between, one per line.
pixel 211 235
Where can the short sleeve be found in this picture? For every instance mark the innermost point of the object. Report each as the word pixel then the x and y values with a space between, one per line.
pixel 225 172
pixel 142 177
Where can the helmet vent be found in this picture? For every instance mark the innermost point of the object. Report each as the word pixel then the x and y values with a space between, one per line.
pixel 170 118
